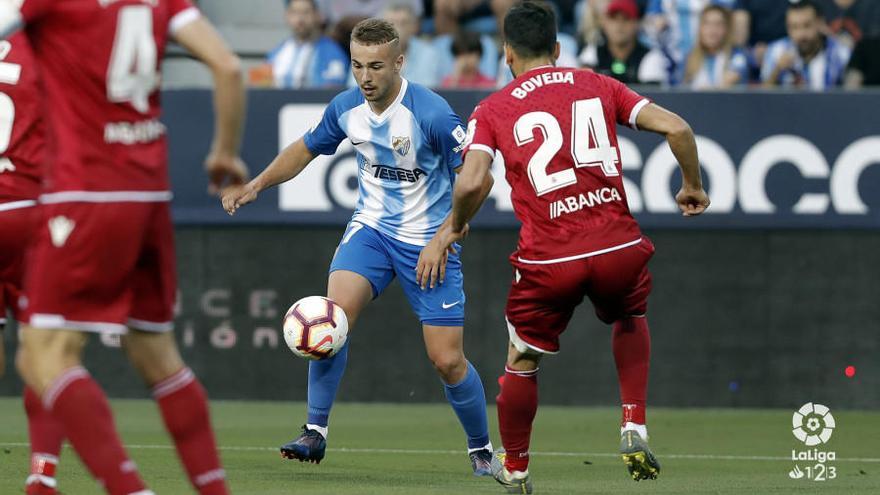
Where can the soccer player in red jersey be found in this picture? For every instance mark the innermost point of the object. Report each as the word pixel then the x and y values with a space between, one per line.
pixel 102 258
pixel 22 143
pixel 555 129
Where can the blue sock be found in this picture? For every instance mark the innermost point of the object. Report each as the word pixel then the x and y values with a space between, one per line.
pixel 324 378
pixel 468 399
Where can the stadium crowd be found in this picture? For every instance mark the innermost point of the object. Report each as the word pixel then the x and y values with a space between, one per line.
pixel 698 44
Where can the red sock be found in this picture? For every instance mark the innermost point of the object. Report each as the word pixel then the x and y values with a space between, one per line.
pixel 631 344
pixel 184 407
pixel 517 405
pixel 46 436
pixel 80 406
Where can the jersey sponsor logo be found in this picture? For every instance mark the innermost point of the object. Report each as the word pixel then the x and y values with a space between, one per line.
pixel 133 133
pixel 537 81
pixel 572 204
pixel 397 174
pixel 60 228
pixel 401 145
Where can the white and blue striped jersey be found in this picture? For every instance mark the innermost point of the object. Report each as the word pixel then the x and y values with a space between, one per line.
pixel 406 156
pixel 825 70
pixel 682 24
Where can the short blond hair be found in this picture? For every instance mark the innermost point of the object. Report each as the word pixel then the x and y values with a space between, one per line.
pixel 374 31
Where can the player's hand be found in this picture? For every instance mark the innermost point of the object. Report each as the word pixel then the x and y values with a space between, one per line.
pixel 234 197
pixel 431 268
pixel 786 60
pixel 225 170
pixel 692 202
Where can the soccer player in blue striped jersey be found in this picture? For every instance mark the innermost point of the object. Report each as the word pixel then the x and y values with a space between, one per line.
pixel 408 143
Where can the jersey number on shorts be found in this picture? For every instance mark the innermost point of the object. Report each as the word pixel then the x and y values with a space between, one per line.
pixel 588 125
pixel 132 76
pixel 9 74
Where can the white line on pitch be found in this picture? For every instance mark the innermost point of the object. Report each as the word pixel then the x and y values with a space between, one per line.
pixel 457 452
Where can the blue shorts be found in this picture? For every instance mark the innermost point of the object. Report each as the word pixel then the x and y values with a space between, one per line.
pixel 379 258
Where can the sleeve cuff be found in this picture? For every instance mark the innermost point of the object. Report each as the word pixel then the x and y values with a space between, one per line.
pixel 483 148
pixel 634 114
pixel 183 18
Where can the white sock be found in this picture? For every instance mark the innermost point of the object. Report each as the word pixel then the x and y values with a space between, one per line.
pixel 320 429
pixel 642 430
pixel 488 447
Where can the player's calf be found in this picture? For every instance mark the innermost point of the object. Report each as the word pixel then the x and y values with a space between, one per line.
pixel 183 404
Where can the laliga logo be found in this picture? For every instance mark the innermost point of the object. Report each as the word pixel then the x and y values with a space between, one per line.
pixel 812 424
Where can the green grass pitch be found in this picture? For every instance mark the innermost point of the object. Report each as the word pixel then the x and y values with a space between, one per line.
pixel 418 449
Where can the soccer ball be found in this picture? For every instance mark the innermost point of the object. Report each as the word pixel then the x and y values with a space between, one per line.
pixel 315 328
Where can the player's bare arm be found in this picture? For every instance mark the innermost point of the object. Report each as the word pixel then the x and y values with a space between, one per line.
pixel 471 190
pixel 287 165
pixel 431 267
pixel 691 198
pixel 223 164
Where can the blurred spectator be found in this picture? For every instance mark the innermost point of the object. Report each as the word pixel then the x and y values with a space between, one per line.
pixel 420 64
pixel 619 53
pixel 864 66
pixel 334 11
pixel 450 14
pixel 850 20
pixel 765 20
pixel 714 63
pixel 446 62
pixel 468 50
pixel 307 59
pixel 590 21
pixel 673 27
pixel 588 13
pixel 487 16
pixel 806 58
pixel 765 23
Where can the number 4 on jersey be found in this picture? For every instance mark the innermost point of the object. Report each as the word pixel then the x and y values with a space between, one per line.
pixel 588 126
pixel 132 75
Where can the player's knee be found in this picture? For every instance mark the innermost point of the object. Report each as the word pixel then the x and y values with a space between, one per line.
pixel 44 354
pixel 351 291
pixel 450 365
pixel 154 356
pixel 522 358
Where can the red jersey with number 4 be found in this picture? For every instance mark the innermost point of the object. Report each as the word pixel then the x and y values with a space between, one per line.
pixel 555 130
pixel 22 129
pixel 99 60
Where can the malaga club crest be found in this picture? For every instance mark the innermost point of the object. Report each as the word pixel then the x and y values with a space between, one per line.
pixel 400 145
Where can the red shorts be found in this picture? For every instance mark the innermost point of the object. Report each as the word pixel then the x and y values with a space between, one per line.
pixel 543 296
pixel 17 225
pixel 102 267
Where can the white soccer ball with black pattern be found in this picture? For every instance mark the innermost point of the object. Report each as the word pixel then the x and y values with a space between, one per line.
pixel 315 328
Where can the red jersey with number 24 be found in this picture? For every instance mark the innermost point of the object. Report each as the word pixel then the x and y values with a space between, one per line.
pixel 99 60
pixel 555 130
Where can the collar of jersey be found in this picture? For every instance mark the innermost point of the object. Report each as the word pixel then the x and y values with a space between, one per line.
pixel 388 111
